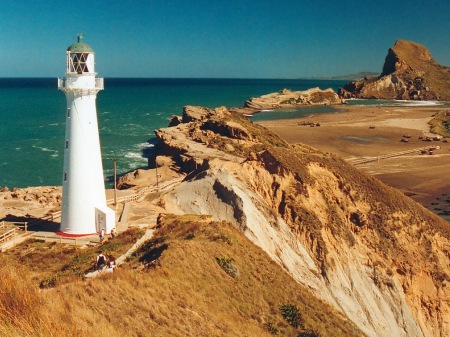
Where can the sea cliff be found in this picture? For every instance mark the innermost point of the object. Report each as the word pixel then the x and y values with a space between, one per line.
pixel 363 247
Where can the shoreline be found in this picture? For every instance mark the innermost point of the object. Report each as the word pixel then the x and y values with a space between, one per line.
pixel 351 132
pixel 375 131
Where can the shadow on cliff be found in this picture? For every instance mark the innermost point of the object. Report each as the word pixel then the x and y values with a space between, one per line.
pixel 33 224
pixel 149 151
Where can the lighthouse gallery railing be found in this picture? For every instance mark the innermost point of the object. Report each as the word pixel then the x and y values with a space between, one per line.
pixel 75 83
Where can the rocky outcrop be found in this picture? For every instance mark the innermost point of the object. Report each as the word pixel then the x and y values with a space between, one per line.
pixel 409 73
pixel 286 98
pixel 375 255
pixel 45 196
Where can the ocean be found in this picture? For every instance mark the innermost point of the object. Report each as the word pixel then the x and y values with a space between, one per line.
pixel 32 112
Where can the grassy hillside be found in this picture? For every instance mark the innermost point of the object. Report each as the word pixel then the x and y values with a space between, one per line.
pixel 194 278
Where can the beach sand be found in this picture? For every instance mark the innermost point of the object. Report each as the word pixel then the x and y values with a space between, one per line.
pixel 356 132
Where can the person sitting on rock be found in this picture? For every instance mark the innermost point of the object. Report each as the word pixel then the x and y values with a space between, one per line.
pixel 111 264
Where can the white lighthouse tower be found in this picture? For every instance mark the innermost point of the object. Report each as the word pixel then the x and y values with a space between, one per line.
pixel 84 209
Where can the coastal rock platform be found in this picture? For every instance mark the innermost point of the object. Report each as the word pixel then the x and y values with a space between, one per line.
pixel 285 99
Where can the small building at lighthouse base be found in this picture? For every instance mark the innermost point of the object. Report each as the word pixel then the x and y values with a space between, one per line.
pixel 105 218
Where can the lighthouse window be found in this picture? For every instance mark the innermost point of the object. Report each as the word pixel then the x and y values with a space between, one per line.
pixel 67 144
pixel 68 112
pixel 79 62
pixel 65 176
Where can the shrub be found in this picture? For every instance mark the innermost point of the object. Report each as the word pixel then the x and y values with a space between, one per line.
pixel 309 334
pixel 291 315
pixel 272 328
pixel 48 282
pixel 228 266
pixel 222 237
pixel 190 236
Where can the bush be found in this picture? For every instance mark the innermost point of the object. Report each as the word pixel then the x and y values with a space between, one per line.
pixel 48 282
pixel 228 266
pixel 222 237
pixel 291 315
pixel 272 328
pixel 309 334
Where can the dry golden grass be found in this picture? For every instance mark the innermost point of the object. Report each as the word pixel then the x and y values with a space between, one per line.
pixel 174 287
pixel 50 263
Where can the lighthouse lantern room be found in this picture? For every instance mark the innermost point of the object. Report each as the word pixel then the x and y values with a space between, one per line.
pixel 84 209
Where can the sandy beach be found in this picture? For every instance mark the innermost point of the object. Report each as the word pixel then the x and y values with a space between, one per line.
pixel 358 132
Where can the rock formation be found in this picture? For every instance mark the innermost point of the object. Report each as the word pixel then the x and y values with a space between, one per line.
pixel 286 98
pixel 372 253
pixel 409 73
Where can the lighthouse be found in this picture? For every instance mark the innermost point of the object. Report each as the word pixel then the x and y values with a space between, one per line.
pixel 84 209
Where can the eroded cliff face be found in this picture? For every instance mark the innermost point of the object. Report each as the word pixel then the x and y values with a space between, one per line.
pixel 409 72
pixel 365 248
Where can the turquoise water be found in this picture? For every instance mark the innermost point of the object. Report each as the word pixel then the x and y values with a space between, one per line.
pixel 32 112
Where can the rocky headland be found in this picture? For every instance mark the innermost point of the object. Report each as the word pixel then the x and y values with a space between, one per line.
pixel 409 73
pixel 363 247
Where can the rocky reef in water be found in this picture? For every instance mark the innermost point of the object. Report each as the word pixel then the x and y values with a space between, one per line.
pixel 409 73
pixel 285 99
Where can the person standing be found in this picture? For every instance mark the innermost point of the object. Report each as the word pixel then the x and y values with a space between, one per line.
pixel 113 232
pixel 101 235
pixel 101 261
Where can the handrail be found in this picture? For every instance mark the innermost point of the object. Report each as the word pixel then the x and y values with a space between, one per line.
pixel 75 83
pixel 365 160
pixel 59 239
pixel 7 235
pixel 127 198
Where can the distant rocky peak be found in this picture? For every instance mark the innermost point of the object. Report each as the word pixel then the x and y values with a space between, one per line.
pixel 405 54
pixel 409 72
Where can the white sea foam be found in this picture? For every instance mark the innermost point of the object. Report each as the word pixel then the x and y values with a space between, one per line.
pixel 46 149
pixel 376 102
pixel 134 155
pixel 42 148
pixel 145 145
pixel 420 103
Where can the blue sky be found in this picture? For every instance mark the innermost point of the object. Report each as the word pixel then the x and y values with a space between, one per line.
pixel 218 38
